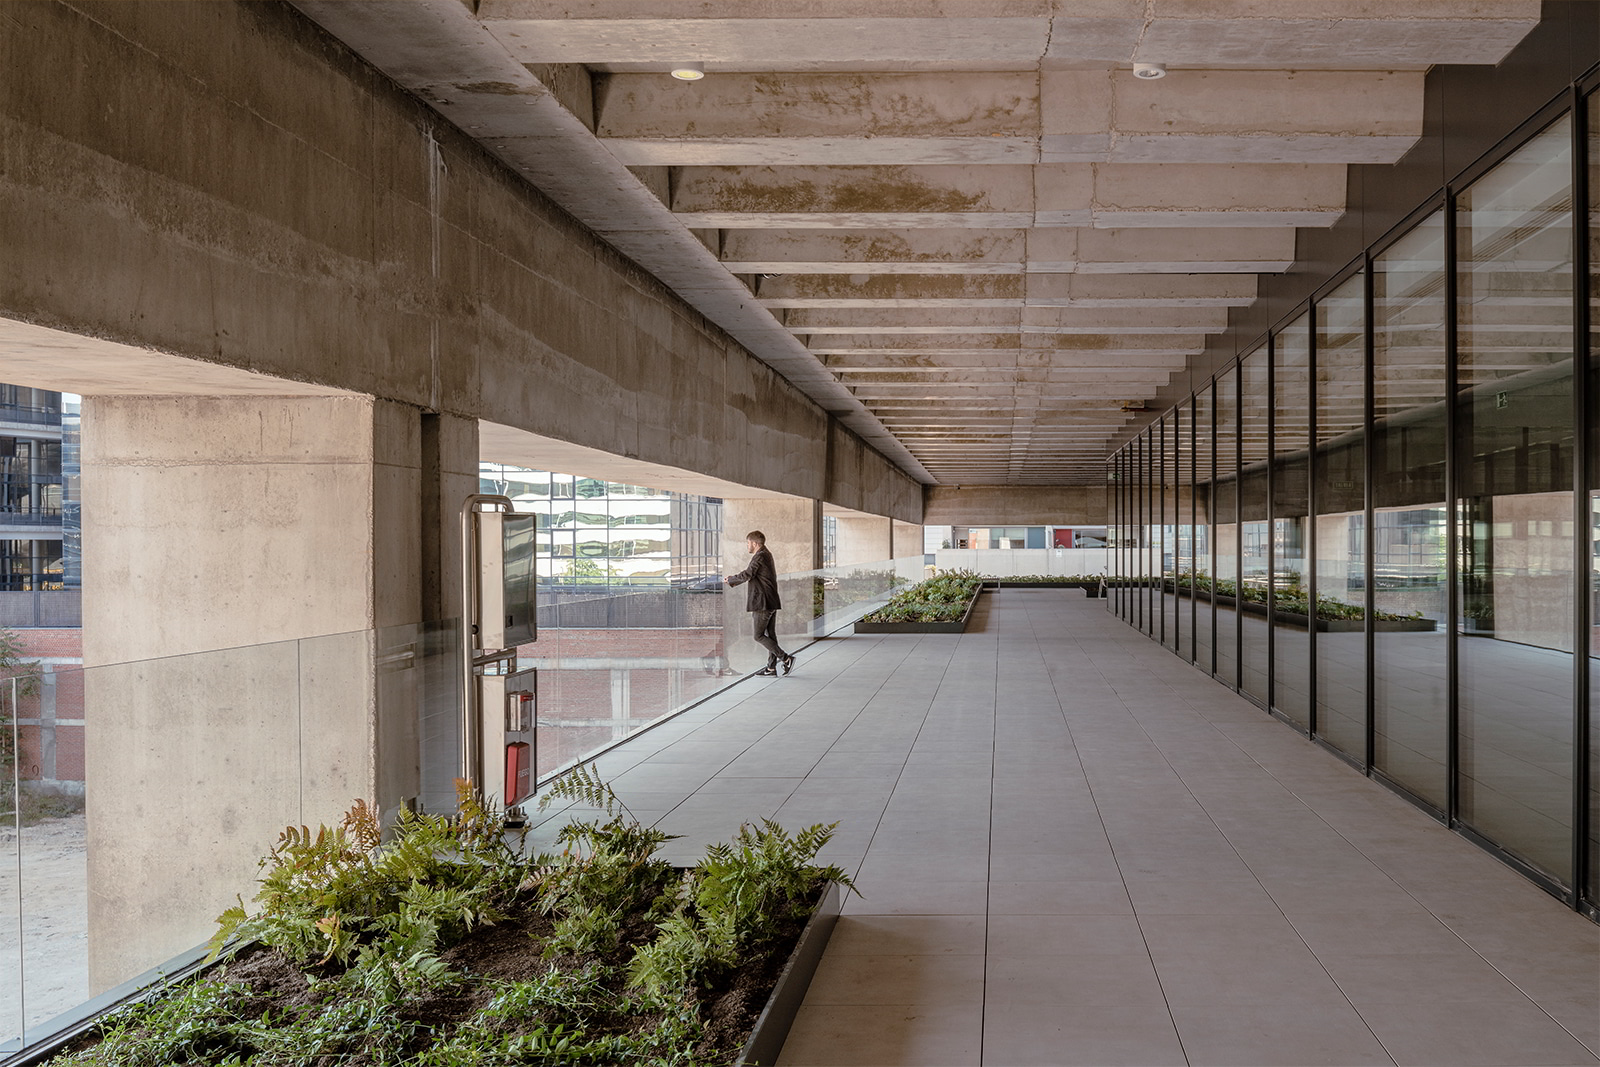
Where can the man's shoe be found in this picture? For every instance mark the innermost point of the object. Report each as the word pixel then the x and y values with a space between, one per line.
pixel 768 670
pixel 788 664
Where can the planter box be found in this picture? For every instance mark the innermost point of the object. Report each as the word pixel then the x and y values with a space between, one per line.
pixel 1090 589
pixel 957 627
pixel 766 1039
pixel 772 1026
pixel 1325 626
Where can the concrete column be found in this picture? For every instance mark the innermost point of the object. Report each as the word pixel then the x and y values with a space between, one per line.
pixel 906 539
pixel 251 565
pixel 793 526
pixel 863 539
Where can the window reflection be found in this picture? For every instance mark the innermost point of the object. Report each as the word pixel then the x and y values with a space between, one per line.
pixel 1514 514
pixel 1290 584
pixel 1255 403
pixel 1410 708
pixel 1341 458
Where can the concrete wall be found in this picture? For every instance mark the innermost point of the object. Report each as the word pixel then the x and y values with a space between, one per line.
pixel 1006 505
pixel 298 215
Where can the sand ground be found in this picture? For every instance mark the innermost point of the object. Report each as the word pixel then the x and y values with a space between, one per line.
pixel 43 922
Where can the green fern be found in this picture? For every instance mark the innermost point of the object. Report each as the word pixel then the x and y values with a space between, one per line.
pixel 583 785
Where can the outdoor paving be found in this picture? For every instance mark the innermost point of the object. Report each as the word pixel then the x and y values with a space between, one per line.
pixel 1072 848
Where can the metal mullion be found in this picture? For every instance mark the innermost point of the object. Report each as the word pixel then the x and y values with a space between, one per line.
pixel 1369 551
pixel 1582 524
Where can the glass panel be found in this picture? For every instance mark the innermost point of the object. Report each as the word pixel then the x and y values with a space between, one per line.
pixel 1171 530
pixel 1594 500
pixel 1514 410
pixel 1147 531
pixel 1255 402
pixel 1410 704
pixel 1227 527
pixel 1341 458
pixel 1204 565
pixel 1291 413
pixel 1184 563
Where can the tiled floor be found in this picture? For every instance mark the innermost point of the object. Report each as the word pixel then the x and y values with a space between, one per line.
pixel 1074 849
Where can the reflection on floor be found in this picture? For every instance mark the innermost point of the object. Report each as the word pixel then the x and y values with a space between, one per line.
pixel 1073 848
pixel 1516 722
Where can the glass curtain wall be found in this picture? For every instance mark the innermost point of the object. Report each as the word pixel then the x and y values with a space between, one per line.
pixel 1410 578
pixel 1514 507
pixel 1205 565
pixel 1339 479
pixel 1392 481
pixel 1288 580
pixel 1255 568
pixel 1226 532
pixel 1592 640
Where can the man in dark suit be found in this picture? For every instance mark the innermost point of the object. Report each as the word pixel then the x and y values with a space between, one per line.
pixel 762 601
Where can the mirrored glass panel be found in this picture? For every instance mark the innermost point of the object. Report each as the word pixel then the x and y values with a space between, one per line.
pixel 1515 508
pixel 1410 593
pixel 1226 529
pixel 1204 564
pixel 1288 581
pixel 1255 406
pixel 1340 640
pixel 1593 640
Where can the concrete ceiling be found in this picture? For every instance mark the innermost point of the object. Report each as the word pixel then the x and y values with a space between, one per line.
pixel 967 229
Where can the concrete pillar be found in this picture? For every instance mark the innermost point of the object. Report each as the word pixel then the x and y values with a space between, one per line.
pixel 253 571
pixel 793 526
pixel 906 539
pixel 863 539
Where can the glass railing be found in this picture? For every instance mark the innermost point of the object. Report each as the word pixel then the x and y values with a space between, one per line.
pixel 613 662
pixel 136 799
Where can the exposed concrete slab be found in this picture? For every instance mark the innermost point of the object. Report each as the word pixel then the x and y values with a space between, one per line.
pixel 1140 290
pixel 1080 116
pixel 1065 194
pixel 800 36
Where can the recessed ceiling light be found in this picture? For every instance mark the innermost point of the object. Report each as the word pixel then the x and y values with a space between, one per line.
pixel 1150 71
pixel 689 72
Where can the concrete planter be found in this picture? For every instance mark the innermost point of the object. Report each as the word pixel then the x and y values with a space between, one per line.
pixel 772 1026
pixel 957 627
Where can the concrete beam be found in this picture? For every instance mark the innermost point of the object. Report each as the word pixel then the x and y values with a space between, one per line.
pixel 927 251
pixel 1058 116
pixel 1017 35
pixel 1005 505
pixel 1161 250
pixel 1140 290
pixel 1007 197
pixel 891 290
pixel 1000 290
pixel 1057 250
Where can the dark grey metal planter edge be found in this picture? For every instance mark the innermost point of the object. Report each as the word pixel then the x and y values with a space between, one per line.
pixel 772 1025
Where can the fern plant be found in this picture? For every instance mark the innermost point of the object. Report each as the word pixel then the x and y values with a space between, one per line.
pixel 735 903
pixel 326 894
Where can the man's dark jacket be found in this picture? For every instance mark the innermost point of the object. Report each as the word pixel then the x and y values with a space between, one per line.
pixel 763 579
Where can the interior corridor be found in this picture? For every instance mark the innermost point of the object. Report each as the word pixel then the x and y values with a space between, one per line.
pixel 1073 848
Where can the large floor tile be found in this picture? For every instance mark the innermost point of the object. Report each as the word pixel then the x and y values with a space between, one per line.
pixel 884 1035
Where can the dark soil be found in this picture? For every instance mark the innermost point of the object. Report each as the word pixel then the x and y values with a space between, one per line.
pixel 513 950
